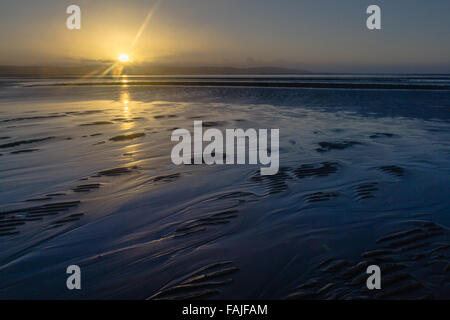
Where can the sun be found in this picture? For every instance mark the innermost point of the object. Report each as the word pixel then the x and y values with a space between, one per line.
pixel 124 58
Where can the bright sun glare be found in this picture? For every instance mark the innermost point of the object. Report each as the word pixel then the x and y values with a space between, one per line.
pixel 124 58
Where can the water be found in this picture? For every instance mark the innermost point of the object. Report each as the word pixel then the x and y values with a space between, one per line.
pixel 356 165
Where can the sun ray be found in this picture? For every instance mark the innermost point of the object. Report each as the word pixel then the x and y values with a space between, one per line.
pixel 123 58
pixel 146 21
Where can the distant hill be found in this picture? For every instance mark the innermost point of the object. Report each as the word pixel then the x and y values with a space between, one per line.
pixel 212 70
pixel 49 71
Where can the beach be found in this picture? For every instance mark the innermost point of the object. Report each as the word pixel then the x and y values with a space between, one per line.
pixel 86 179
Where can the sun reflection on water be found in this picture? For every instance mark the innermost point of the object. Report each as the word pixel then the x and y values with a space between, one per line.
pixel 125 102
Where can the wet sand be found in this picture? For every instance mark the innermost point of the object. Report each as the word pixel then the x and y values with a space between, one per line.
pixel 86 179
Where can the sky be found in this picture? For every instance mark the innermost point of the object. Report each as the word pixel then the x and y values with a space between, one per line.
pixel 318 36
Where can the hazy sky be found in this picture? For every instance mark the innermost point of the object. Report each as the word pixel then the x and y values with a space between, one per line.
pixel 321 36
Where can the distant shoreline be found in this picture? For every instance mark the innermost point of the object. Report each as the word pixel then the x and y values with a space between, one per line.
pixel 318 85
